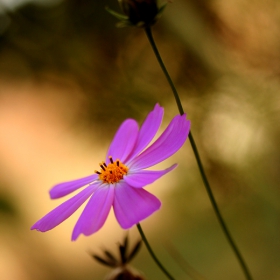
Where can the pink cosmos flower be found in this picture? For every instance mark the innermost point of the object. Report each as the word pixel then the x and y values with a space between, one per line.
pixel 121 178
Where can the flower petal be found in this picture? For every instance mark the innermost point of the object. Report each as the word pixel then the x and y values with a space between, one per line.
pixel 124 140
pixel 65 188
pixel 141 178
pixel 133 205
pixel 148 130
pixel 166 145
pixel 63 211
pixel 95 212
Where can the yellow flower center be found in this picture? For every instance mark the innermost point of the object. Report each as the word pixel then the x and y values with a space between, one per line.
pixel 113 172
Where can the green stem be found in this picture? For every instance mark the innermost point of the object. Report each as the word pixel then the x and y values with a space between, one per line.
pixel 199 163
pixel 152 253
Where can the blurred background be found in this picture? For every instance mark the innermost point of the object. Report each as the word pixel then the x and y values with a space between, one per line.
pixel 69 77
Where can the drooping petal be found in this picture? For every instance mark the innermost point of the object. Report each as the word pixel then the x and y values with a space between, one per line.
pixel 124 140
pixel 166 145
pixel 64 210
pixel 65 188
pixel 148 130
pixel 141 178
pixel 133 205
pixel 95 212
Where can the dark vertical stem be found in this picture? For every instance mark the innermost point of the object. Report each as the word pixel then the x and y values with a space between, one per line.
pixel 198 160
pixel 152 253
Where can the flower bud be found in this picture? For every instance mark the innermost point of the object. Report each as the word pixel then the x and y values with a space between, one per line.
pixel 142 13
pixel 121 269
pixel 124 273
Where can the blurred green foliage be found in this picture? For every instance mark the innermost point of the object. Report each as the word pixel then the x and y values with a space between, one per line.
pixel 7 207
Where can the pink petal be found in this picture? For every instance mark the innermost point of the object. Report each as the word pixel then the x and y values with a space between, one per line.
pixel 95 212
pixel 166 145
pixel 141 178
pixel 65 188
pixel 124 140
pixel 148 130
pixel 63 211
pixel 133 205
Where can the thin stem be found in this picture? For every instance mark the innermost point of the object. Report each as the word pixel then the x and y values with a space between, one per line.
pixel 152 253
pixel 199 162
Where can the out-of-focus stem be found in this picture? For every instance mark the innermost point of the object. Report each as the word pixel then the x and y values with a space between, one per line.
pixel 199 162
pixel 152 253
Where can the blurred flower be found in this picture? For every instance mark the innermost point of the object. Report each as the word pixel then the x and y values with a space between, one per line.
pixel 121 179
pixel 141 13
pixel 122 271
